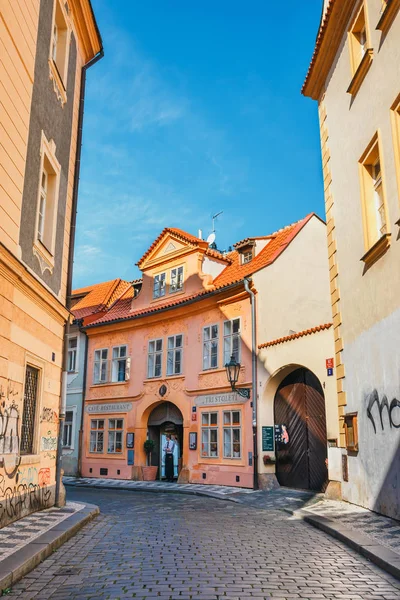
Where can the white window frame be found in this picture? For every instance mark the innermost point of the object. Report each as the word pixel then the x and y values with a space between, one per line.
pixel 115 430
pixel 73 350
pixel 72 409
pixel 247 256
pixel 379 200
pixel 176 270
pixel 207 356
pixel 154 353
pixel 159 285
pixel 100 361
pixel 230 427
pixel 96 431
pixel 172 352
pixel 56 40
pixel 207 428
pixel 116 359
pixel 228 339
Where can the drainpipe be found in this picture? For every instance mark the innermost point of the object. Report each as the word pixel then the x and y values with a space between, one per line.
pixel 74 211
pixel 253 379
pixel 80 434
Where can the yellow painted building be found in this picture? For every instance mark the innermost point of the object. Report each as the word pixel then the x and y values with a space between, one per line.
pixel 45 49
pixel 355 77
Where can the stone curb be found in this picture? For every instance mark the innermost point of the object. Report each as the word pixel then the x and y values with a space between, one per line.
pixel 27 558
pixel 380 555
pixel 153 490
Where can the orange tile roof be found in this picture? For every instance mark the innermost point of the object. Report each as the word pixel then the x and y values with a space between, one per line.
pixel 186 237
pixel 123 308
pixel 279 242
pixel 294 336
pixel 97 297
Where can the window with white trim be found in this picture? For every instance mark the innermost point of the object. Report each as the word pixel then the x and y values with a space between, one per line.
pixel 159 285
pixel 47 204
pixel 115 434
pixel 176 280
pixel 154 358
pixel 96 435
pixel 72 354
pixel 232 434
pixel 209 435
pixel 119 364
pixel 59 51
pixel 100 366
pixel 174 355
pixel 67 430
pixel 232 340
pixel 247 256
pixel 210 347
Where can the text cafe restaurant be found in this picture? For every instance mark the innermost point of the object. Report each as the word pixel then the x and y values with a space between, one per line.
pixel 213 442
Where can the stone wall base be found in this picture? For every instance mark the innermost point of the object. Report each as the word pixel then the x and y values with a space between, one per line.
pixel 334 490
pixel 267 482
pixel 183 476
pixel 22 500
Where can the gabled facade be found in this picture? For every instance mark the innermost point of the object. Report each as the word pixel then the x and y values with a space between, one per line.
pixel 156 357
pixel 354 75
pixel 46 46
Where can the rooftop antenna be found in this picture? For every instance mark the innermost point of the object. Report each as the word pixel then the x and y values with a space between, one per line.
pixel 211 237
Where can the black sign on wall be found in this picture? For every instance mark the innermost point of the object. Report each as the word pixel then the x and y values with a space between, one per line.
pixel 267 439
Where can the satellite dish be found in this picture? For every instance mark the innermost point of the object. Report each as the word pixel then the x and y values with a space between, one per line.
pixel 211 239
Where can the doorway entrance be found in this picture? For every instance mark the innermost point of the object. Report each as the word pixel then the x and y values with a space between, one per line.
pixel 300 421
pixel 166 418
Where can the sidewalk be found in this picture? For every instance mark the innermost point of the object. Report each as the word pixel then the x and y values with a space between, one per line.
pixel 27 542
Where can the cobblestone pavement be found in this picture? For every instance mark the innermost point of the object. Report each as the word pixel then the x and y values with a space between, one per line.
pixel 148 546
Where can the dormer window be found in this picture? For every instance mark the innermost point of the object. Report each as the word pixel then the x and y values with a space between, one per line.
pixel 176 280
pixel 247 256
pixel 159 285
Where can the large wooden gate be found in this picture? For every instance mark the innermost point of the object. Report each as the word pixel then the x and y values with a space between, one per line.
pixel 300 411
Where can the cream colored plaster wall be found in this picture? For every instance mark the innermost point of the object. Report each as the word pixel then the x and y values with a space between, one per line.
pixel 293 292
pixel 351 123
pixel 18 32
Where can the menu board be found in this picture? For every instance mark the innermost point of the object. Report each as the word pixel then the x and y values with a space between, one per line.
pixel 268 439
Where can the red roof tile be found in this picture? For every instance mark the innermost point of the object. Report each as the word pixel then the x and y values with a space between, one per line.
pixel 97 297
pixel 294 336
pixel 182 235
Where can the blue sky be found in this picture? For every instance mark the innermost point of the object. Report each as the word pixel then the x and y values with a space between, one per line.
pixel 195 108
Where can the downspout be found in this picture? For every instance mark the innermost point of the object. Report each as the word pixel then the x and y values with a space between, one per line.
pixel 80 435
pixel 63 397
pixel 253 380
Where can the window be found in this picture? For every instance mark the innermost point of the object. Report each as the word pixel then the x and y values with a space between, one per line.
pixel 47 202
pixel 100 366
pixel 154 359
pixel 210 347
pixel 395 114
pixel 67 431
pixel 159 285
pixel 351 432
pixel 174 355
pixel 209 435
pixel 29 410
pixel 232 340
pixel 373 198
pixel 358 39
pixel 247 256
pixel 176 282
pixel 232 434
pixel 119 364
pixel 59 51
pixel 96 435
pixel 72 350
pixel 115 431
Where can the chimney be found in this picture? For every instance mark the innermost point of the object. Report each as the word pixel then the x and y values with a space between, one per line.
pixel 200 234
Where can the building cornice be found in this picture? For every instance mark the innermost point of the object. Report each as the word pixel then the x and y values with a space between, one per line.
pixel 86 28
pixel 332 28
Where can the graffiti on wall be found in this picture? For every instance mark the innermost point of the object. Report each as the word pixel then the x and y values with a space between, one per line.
pixel 48 415
pixel 25 495
pixel 9 427
pixel 392 410
pixel 48 443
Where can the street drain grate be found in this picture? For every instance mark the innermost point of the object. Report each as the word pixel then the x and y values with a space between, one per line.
pixel 68 571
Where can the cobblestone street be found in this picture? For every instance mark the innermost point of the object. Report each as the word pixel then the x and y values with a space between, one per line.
pixel 149 546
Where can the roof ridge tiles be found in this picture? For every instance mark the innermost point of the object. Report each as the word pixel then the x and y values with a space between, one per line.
pixel 295 336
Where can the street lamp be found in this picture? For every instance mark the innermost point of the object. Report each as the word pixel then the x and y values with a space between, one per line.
pixel 232 374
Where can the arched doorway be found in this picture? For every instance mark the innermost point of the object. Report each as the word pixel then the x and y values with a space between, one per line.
pixel 301 451
pixel 165 418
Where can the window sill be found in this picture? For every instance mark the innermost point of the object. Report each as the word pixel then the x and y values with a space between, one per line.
pixel 29 459
pixel 388 15
pixel 361 72
pixel 180 376
pixel 58 84
pixel 377 250
pixel 106 383
pixel 216 370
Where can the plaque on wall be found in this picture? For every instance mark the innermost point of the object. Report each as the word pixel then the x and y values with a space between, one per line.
pixel 219 399
pixel 111 407
pixel 193 440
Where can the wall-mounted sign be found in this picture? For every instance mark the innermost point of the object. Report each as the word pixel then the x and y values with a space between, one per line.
pixel 329 372
pixel 267 439
pixel 192 440
pixel 112 407
pixel 329 363
pixel 194 416
pixel 130 440
pixel 131 457
pixel 219 399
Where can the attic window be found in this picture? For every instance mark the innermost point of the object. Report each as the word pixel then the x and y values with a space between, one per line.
pixel 247 256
